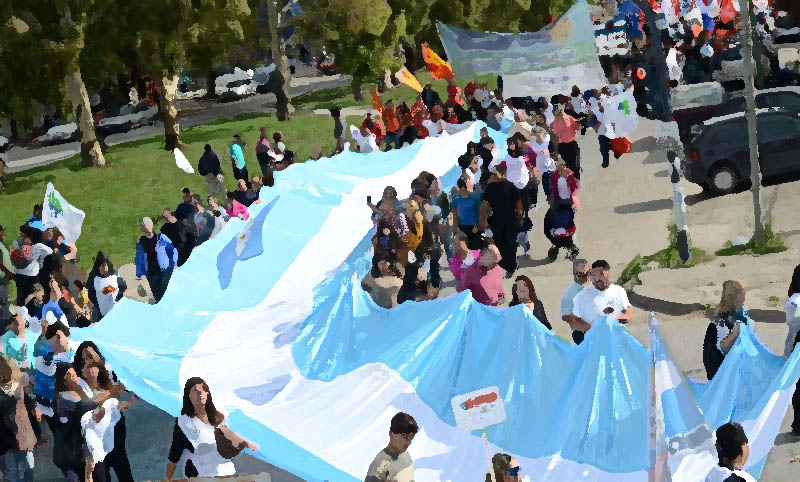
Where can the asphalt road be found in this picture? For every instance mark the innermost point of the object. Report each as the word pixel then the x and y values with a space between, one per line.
pixel 191 113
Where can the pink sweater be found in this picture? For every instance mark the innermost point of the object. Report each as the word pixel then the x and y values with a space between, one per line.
pixel 237 210
pixel 456 264
pixel 486 285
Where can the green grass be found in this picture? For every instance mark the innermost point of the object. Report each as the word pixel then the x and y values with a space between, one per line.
pixel 668 257
pixel 773 243
pixel 343 96
pixel 143 180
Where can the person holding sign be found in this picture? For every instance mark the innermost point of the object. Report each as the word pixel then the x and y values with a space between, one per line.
pixel 394 464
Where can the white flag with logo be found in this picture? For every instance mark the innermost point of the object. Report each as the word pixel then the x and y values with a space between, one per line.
pixel 182 162
pixel 621 112
pixel 58 213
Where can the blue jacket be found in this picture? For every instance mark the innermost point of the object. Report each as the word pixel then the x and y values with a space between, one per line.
pixel 165 252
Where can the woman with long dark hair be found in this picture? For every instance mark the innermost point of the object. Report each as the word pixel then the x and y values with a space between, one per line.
pixel 109 287
pixel 70 406
pixel 523 293
pixel 96 378
pixel 199 431
pixel 505 468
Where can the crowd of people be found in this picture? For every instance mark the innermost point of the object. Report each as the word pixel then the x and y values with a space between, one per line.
pixel 475 229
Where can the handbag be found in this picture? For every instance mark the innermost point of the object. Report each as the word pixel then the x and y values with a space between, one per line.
pixel 229 445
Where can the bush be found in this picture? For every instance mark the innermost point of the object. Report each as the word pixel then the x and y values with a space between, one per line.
pixel 773 243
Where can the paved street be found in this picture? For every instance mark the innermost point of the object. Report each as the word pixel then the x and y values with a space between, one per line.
pixel 626 209
pixel 192 113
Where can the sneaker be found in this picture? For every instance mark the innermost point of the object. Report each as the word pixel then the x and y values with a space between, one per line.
pixel 573 253
pixel 605 165
pixel 552 253
pixel 527 248
pixel 509 274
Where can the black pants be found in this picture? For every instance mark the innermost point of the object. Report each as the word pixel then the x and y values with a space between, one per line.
pixel 571 153
pixel 546 184
pixel 263 162
pixel 605 147
pixel 474 240
pixel 409 135
pixel 505 238
pixel 24 285
pixel 577 336
pixel 241 174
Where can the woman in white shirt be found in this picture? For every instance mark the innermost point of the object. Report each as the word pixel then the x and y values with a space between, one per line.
pixel 195 432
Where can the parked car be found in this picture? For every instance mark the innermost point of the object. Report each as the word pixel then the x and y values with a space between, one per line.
pixel 718 158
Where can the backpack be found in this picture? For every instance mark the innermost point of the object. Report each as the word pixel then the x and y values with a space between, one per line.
pixel 21 257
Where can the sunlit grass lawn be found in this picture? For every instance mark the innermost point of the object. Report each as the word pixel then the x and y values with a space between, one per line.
pixel 143 180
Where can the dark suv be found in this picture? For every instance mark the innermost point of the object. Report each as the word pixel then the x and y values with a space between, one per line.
pixel 719 158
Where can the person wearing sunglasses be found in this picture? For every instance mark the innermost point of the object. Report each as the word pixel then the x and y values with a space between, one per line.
pixel 506 469
pixel 580 276
pixel 393 463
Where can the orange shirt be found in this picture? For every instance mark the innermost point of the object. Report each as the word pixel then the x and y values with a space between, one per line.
pixel 566 129
pixel 390 120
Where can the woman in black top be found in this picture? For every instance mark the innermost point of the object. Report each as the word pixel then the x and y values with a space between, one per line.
pixel 70 405
pixel 723 332
pixel 523 293
pixel 86 355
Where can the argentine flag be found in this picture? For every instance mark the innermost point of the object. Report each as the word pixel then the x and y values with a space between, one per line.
pixel 246 245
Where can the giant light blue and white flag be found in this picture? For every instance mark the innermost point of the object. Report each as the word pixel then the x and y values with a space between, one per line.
pixel 58 213
pixel 322 369
pixel 543 63
pixel 246 245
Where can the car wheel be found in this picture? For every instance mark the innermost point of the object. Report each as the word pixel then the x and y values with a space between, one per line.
pixel 722 179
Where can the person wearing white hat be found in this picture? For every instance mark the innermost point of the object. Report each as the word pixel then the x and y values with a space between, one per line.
pixel 51 347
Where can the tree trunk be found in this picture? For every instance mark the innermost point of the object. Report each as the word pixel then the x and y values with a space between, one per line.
pixel 750 101
pixel 660 95
pixel 355 85
pixel 282 98
pixel 172 128
pixel 91 154
pixel 211 84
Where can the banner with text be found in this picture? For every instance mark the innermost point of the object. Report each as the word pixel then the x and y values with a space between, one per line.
pixel 543 63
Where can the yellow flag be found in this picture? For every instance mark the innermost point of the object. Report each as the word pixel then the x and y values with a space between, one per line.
pixel 406 77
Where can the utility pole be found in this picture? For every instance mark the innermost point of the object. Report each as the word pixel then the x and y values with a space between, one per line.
pixel 750 101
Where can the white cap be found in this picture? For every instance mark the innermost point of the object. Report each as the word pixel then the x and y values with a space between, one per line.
pixel 21 311
pixel 50 317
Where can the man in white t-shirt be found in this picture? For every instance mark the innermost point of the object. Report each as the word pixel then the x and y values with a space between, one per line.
pixel 600 299
pixel 732 453
pixel 393 463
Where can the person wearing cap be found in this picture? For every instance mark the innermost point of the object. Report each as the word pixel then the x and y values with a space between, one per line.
pixel 209 167
pixel 51 348
pixel 733 450
pixel 17 343
pixel 237 158
pixel 6 275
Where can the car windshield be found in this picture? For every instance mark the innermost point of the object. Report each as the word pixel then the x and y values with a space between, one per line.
pixel 733 106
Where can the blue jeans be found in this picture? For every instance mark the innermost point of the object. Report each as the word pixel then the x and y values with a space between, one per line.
pixel 19 466
pixel 392 138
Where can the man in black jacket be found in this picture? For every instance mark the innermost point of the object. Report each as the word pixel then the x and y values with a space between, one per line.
pixel 429 96
pixel 209 167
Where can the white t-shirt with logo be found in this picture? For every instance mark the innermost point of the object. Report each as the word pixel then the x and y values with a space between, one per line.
pixel 107 290
pixel 590 303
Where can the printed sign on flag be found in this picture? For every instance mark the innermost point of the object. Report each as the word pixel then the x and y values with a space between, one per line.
pixel 58 213
pixel 479 409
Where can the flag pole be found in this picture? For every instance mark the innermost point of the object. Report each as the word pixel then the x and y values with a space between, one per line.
pixel 485 437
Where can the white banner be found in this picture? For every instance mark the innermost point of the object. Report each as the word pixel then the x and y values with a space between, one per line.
pixel 58 213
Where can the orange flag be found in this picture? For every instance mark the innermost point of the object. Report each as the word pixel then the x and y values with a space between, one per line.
pixel 406 77
pixel 376 100
pixel 436 66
